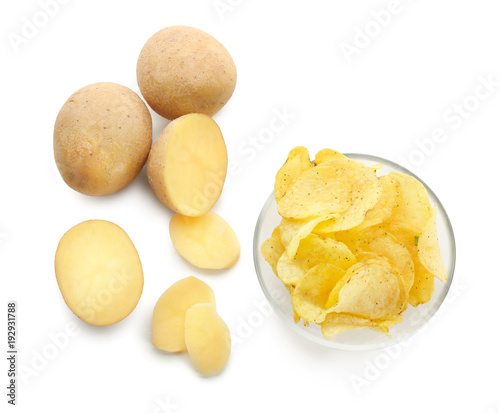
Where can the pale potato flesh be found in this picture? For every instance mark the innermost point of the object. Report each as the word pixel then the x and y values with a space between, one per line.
pixel 208 339
pixel 102 138
pixel 99 272
pixel 170 311
pixel 187 165
pixel 206 242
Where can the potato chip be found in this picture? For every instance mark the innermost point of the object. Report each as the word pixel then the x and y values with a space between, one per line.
pixel 428 249
pixel 365 191
pixel 316 192
pixel 337 323
pixel 298 161
pixel 383 208
pixel 371 289
pixel 312 251
pixel 293 230
pixel 272 249
pixel 312 291
pixel 423 284
pixel 413 208
pixel 325 155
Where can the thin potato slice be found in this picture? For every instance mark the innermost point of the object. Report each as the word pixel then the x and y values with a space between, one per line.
pixel 170 312
pixel 297 162
pixel 187 165
pixel 99 272
pixel 206 242
pixel 208 340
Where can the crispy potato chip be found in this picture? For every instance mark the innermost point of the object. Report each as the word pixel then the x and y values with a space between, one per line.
pixel 312 291
pixel 383 208
pixel 293 230
pixel 325 155
pixel 371 289
pixel 272 249
pixel 312 251
pixel 428 249
pixel 413 208
pixel 337 323
pixel 316 192
pixel 298 161
pixel 376 240
pixel 365 190
pixel 423 284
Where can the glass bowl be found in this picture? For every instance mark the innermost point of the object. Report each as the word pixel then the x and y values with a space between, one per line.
pixel 413 318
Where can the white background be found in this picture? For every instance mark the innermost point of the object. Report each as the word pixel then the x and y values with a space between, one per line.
pixel 405 81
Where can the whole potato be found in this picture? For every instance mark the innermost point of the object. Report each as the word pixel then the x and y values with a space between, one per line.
pixel 184 70
pixel 102 138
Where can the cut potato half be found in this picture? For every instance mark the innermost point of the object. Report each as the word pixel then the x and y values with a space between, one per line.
pixel 170 311
pixel 206 242
pixel 187 165
pixel 99 272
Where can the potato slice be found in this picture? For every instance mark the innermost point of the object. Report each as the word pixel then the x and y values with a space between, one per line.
pixel 208 339
pixel 206 242
pixel 187 165
pixel 170 311
pixel 99 272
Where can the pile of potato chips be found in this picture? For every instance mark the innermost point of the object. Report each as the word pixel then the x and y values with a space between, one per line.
pixel 353 249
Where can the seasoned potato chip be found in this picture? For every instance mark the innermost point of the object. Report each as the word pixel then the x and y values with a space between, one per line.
pixel 311 293
pixel 316 192
pixel 325 155
pixel 365 191
pixel 423 284
pixel 378 241
pixel 383 208
pixel 312 251
pixel 413 207
pixel 337 323
pixel 298 161
pixel 272 249
pixel 293 230
pixel 371 289
pixel 428 249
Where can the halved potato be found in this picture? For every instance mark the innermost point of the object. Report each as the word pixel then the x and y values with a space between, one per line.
pixel 208 339
pixel 187 165
pixel 206 242
pixel 170 311
pixel 99 272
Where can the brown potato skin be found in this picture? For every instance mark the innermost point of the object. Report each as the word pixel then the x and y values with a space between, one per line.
pixel 102 138
pixel 155 166
pixel 184 70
